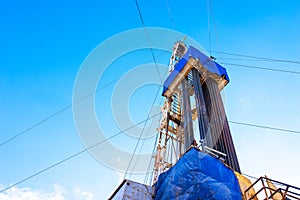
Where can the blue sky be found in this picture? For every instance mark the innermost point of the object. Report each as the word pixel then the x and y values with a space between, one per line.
pixel 43 44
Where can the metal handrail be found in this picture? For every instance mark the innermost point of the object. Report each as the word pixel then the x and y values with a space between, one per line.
pixel 283 192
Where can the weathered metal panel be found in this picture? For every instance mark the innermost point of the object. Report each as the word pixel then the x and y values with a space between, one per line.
pixel 133 190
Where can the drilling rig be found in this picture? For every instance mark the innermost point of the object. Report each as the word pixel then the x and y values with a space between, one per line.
pixel 195 157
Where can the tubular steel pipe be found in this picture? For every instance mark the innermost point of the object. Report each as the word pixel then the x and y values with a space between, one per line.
pixel 219 127
pixel 201 109
pixel 187 115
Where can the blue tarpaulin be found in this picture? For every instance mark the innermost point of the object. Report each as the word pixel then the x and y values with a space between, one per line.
pixel 204 60
pixel 198 176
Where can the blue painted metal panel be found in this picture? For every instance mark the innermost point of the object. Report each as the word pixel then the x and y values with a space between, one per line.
pixel 198 176
pixel 177 69
pixel 204 60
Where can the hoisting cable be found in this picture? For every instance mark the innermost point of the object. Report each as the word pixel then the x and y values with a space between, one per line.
pixel 208 26
pixel 147 37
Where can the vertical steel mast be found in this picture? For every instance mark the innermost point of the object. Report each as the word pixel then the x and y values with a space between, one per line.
pixel 170 142
pixel 193 108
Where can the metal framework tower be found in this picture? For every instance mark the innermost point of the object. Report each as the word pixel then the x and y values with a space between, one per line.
pixel 170 143
pixel 193 108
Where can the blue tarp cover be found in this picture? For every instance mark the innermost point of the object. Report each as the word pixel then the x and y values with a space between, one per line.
pixel 204 60
pixel 198 176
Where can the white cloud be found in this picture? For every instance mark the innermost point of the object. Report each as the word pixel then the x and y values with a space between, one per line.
pixel 57 193
pixel 16 193
pixel 82 194
pixel 121 176
pixel 244 101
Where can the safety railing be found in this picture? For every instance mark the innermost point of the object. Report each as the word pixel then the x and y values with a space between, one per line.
pixel 268 190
